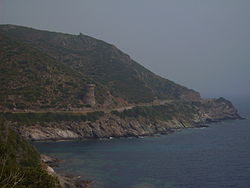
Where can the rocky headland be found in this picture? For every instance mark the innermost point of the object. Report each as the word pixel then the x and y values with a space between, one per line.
pixel 56 86
pixel 135 122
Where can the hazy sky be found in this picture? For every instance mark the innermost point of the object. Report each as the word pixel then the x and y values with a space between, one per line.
pixel 202 44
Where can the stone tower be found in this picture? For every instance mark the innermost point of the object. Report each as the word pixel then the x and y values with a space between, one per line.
pixel 89 97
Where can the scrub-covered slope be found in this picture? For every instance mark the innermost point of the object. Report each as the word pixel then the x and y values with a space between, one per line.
pixel 20 164
pixel 31 79
pixel 103 63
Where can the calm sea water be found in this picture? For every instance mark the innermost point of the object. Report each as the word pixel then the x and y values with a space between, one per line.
pixel 216 157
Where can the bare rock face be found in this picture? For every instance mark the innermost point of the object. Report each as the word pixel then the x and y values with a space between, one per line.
pixel 186 115
pixel 106 127
pixel 47 133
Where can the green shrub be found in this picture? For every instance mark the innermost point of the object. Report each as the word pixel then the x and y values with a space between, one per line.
pixel 31 177
pixel 161 112
pixel 31 118
pixel 20 162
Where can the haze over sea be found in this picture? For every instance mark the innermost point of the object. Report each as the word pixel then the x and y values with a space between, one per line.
pixel 216 157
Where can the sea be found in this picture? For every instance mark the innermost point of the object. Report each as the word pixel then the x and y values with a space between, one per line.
pixel 217 156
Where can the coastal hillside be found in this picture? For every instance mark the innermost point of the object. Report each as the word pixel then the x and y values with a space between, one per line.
pixel 56 86
pixel 31 79
pixel 125 79
pixel 61 86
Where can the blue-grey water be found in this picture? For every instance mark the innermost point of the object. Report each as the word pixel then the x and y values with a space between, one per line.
pixel 213 157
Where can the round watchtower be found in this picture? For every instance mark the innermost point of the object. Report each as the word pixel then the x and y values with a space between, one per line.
pixel 89 97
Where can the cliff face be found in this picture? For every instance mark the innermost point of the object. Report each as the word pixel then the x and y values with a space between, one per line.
pixel 136 122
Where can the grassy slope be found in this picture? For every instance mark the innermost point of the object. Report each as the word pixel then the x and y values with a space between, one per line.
pixel 102 62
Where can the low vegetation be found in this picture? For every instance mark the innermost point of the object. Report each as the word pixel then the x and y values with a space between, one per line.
pixel 31 118
pixel 20 162
pixel 162 112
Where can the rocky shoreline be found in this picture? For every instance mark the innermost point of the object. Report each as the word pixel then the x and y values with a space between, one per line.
pixel 69 181
pixel 132 124
pixel 65 181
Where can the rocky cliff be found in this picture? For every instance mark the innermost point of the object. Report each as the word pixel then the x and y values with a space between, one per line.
pixel 138 121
